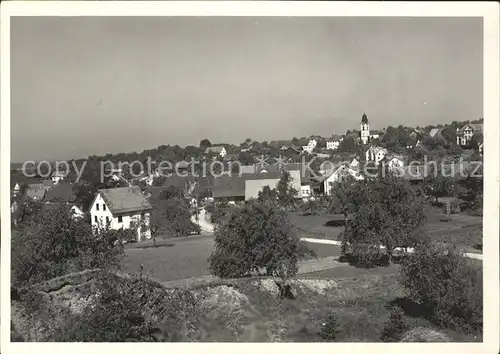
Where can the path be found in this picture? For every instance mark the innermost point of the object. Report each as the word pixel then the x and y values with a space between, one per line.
pixel 478 256
pixel 203 217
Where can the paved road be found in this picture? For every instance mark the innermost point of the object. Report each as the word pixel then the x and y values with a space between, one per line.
pixel 185 258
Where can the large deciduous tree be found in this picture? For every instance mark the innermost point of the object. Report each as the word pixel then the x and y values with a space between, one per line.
pixel 257 237
pixel 385 211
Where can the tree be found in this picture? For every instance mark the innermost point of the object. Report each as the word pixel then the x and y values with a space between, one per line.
pixel 347 145
pixel 285 192
pixel 447 286
pixel 268 194
pixel 245 158
pixel 58 245
pixel 171 216
pixel 26 211
pixel 339 201
pixel 205 143
pixel 256 237
pixel 394 327
pixel 385 211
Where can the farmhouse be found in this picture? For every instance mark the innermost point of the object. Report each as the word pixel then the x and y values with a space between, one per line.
pixel 121 208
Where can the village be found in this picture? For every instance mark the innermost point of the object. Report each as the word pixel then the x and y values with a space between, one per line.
pixel 166 224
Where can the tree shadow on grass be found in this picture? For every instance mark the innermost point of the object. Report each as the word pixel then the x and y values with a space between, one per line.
pixel 142 247
pixel 411 308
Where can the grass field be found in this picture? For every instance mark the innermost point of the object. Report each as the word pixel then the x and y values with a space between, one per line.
pixel 462 229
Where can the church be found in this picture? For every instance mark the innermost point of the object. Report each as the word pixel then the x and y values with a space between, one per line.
pixel 365 134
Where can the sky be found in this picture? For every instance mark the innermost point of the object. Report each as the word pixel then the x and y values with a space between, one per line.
pixel 97 85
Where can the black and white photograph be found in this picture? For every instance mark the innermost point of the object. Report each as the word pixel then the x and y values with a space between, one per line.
pixel 250 178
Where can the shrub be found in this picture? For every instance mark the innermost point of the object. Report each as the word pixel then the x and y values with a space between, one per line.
pixel 328 329
pixel 394 326
pixel 257 237
pixel 446 284
pixel 60 245
pixel 114 316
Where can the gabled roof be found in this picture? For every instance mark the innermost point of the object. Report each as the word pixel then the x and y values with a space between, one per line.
pixel 475 127
pixel 435 131
pixel 228 186
pixel 214 149
pixel 35 193
pixel 125 200
pixel 61 192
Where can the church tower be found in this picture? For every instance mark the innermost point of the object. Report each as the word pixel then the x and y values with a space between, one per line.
pixel 365 129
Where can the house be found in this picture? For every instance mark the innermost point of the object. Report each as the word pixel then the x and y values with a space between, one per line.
pixel 216 150
pixel 121 208
pixel 36 191
pixel 375 153
pixel 336 175
pixel 289 150
pixel 375 134
pixel 247 169
pixel 57 177
pixel 228 188
pixel 255 183
pixel 321 155
pixel 333 144
pixel 311 145
pixel 17 189
pixel 465 133
pixel 354 164
pixel 436 132
pixel 394 161
pixel 416 134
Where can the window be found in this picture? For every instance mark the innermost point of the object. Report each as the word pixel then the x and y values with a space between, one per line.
pixel 95 218
pixel 104 207
pixel 107 220
pixel 97 207
pixel 142 215
pixel 120 219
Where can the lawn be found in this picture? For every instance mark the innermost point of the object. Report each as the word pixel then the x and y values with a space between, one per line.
pixel 462 229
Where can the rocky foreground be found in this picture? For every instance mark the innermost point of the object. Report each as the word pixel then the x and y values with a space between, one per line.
pixel 249 310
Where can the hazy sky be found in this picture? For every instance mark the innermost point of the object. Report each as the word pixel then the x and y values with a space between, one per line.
pixel 92 85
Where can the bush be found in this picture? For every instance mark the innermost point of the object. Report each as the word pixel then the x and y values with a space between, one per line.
pixel 257 237
pixel 447 285
pixel 364 255
pixel 60 245
pixel 114 316
pixel 394 326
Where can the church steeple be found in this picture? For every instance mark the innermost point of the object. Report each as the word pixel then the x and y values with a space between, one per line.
pixel 365 129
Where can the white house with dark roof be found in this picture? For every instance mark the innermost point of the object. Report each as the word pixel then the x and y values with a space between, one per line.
pixel 216 150
pixel 122 208
pixel 465 133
